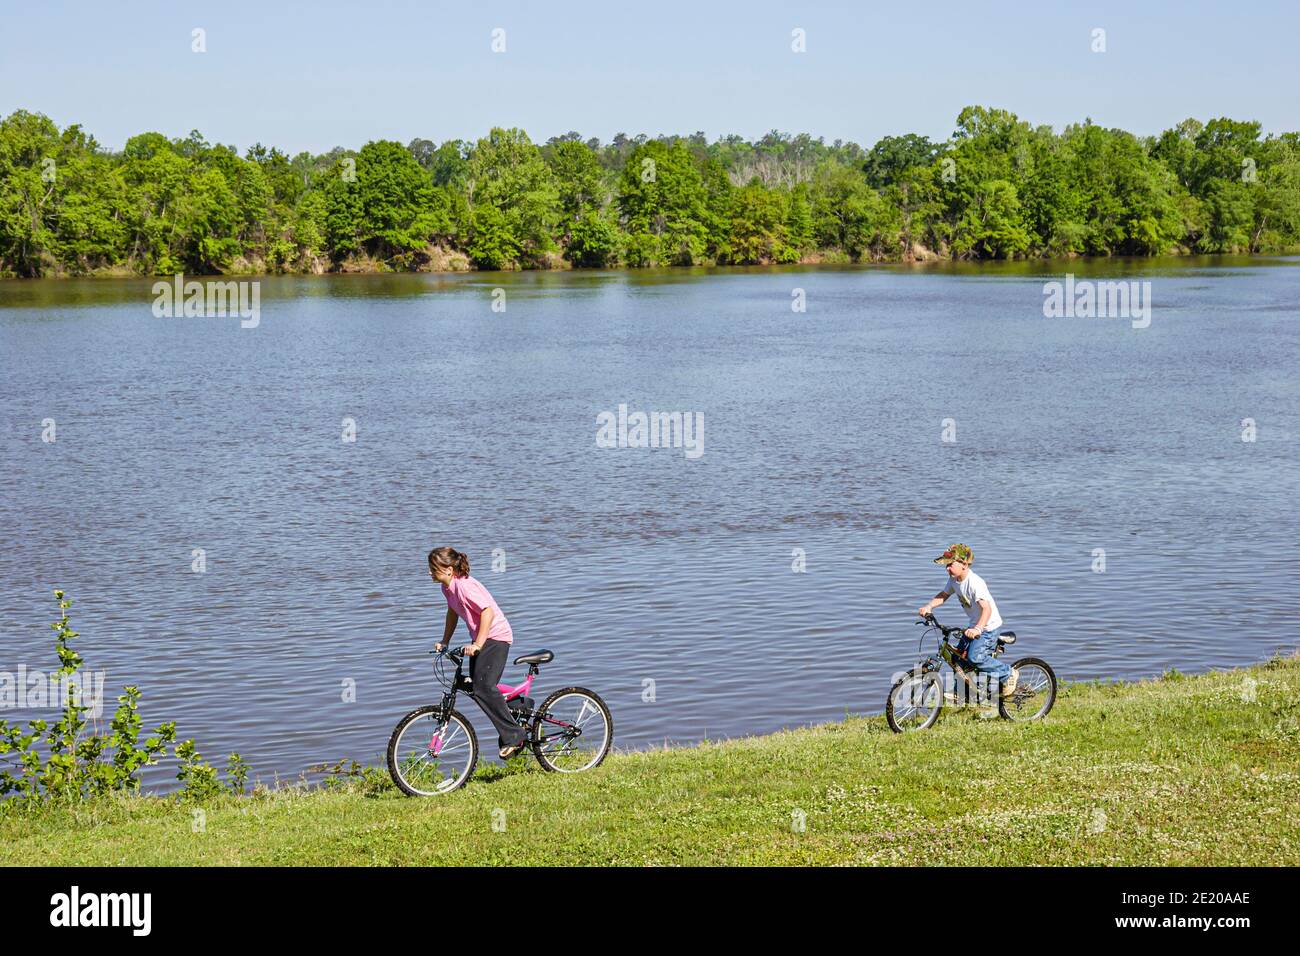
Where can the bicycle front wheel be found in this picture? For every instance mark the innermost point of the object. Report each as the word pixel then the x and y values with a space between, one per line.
pixel 572 732
pixel 429 754
pixel 914 702
pixel 1035 691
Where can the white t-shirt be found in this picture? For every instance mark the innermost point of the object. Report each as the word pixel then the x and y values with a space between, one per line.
pixel 968 592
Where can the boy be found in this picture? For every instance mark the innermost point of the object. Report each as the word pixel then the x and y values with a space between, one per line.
pixel 980 640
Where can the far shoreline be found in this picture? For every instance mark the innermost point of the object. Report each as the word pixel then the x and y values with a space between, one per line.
pixel 1032 265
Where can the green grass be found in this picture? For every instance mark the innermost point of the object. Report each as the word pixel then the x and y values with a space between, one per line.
pixel 1195 770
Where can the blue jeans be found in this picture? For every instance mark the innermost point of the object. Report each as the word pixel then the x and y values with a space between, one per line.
pixel 979 654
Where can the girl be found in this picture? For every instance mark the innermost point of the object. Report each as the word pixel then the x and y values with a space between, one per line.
pixel 490 631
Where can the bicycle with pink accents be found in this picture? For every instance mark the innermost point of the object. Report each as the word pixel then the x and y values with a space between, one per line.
pixel 434 748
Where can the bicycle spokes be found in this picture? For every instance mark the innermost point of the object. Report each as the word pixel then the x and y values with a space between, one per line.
pixel 433 755
pixel 1034 694
pixel 915 701
pixel 572 732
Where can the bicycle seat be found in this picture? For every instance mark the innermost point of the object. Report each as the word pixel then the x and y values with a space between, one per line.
pixel 541 657
pixel 1007 637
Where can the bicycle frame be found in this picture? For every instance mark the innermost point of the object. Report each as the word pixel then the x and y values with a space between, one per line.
pixel 948 655
pixel 460 682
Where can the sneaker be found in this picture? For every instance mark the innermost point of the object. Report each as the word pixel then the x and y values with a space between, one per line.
pixel 1009 685
pixel 508 752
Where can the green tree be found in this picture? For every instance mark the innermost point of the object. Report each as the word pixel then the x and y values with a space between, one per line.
pixel 664 205
pixel 594 242
pixel 851 216
pixel 758 230
pixel 506 171
pixel 1277 200
pixel 893 156
pixel 28 143
pixel 493 243
pixel 991 223
pixel 579 179
pixel 799 221
pixel 384 205
pixel 996 188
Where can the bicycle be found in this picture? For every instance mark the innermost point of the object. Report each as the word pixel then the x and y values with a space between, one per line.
pixel 433 749
pixel 916 698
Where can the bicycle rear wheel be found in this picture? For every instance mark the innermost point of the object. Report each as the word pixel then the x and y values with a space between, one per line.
pixel 1035 691
pixel 914 702
pixel 572 732
pixel 428 755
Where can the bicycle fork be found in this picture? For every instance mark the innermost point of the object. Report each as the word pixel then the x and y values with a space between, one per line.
pixel 436 742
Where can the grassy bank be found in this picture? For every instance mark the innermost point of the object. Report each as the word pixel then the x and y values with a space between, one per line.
pixel 1185 770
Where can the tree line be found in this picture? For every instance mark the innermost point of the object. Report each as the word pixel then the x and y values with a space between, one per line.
pixel 998 188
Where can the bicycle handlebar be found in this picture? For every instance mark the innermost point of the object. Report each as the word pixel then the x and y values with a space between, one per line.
pixel 931 621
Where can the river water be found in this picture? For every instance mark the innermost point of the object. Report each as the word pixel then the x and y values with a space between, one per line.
pixel 763 576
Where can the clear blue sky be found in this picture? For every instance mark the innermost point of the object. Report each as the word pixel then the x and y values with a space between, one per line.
pixel 325 73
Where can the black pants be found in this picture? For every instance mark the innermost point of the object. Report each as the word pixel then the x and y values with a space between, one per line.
pixel 485 670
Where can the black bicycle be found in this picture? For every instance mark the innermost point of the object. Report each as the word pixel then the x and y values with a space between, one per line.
pixel 434 749
pixel 917 697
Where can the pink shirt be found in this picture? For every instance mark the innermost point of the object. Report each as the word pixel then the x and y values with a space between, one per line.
pixel 467 597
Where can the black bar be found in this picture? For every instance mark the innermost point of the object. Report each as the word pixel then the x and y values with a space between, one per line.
pixel 333 905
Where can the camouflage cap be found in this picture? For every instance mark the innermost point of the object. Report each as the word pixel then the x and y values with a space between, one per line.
pixel 956 552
